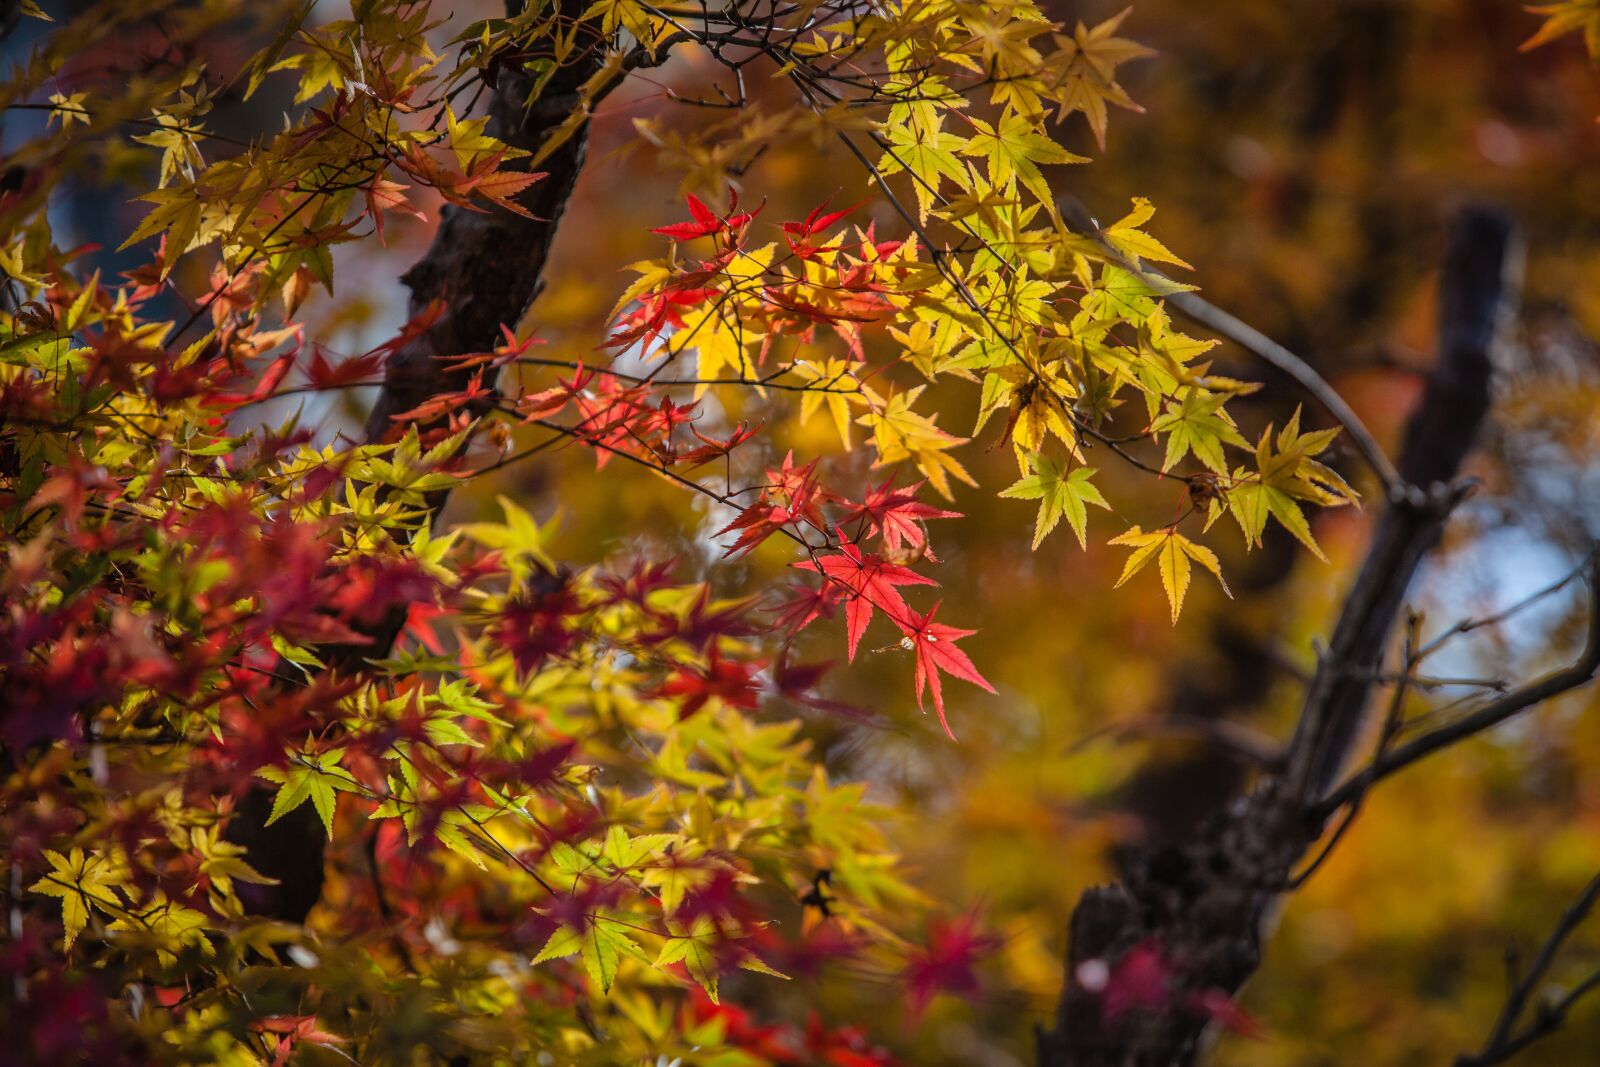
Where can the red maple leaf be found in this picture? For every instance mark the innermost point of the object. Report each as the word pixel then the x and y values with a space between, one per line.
pixel 1225 1012
pixel 807 604
pixel 792 494
pixel 949 962
pixel 935 645
pixel 322 374
pixel 706 222
pixel 898 515
pixel 799 234
pixel 733 681
pixel 715 447
pixel 871 581
pixel 1140 981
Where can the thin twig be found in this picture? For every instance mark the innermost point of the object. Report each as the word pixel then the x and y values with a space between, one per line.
pixel 1503 1042
pixel 1580 672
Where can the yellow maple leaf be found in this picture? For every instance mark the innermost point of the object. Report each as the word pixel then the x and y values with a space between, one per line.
pixel 1172 552
pixel 1571 16
pixel 81 880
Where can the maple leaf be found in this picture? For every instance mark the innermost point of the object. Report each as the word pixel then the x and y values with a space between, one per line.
pixel 1570 16
pixel 1087 79
pixel 898 515
pixel 1220 1008
pixel 384 195
pixel 1059 492
pixel 1013 148
pixel 1140 981
pixel 799 234
pixel 169 924
pixel 928 153
pixel 291 1029
pixel 948 964
pixel 80 881
pixel 806 604
pixel 716 447
pixel 900 433
pixel 1125 236
pixel 731 681
pixel 1173 551
pixel 935 646
pixel 706 223
pixel 871 582
pixel 316 777
pixel 1286 472
pixel 835 387
pixel 697 952
pixel 1197 423
pixel 603 948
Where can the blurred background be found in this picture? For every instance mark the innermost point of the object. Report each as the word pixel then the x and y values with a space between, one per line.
pixel 1305 157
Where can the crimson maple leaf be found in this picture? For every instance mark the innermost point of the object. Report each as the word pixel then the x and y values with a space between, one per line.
pixel 799 234
pixel 733 681
pixel 716 447
pixel 806 604
pixel 706 222
pixel 898 515
pixel 871 581
pixel 949 962
pixel 935 646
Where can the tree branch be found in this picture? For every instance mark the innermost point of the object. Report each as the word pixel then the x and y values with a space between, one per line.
pixel 1203 902
pixel 1492 714
pixel 1502 1043
pixel 1476 288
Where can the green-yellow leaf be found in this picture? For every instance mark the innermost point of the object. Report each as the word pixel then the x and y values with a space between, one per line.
pixel 1059 492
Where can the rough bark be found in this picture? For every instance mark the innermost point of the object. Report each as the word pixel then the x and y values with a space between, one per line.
pixel 486 269
pixel 1205 902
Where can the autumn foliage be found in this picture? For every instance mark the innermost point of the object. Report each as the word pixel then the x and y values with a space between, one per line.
pixel 577 797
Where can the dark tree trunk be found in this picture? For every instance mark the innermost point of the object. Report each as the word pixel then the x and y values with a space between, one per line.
pixel 1203 904
pixel 486 269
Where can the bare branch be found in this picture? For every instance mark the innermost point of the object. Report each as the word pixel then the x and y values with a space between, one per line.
pixel 1468 625
pixel 1503 1041
pixel 1579 673
pixel 1205 900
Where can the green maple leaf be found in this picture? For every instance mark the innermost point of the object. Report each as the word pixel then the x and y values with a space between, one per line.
pixel 1059 492
pixel 695 951
pixel 1013 149
pixel 310 776
pixel 1251 502
pixel 602 950
pixel 929 153
pixel 1285 474
pixel 1198 424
